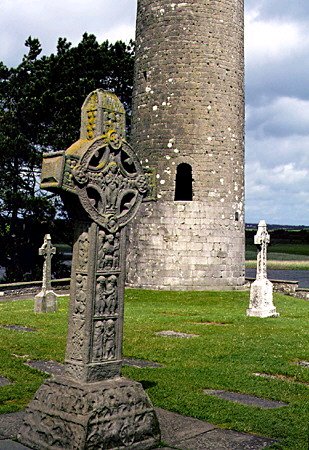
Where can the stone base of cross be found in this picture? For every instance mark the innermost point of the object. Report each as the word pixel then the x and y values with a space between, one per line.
pixel 113 414
pixel 261 300
pixel 45 302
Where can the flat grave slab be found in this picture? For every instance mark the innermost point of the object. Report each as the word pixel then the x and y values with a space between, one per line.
pixel 219 439
pixel 175 427
pixel 280 378
pixel 4 381
pixel 7 444
pixel 10 424
pixel 245 399
pixel 176 334
pixel 19 328
pixel 50 367
pixel 303 363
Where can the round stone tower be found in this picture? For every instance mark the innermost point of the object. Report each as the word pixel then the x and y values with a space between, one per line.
pixel 188 125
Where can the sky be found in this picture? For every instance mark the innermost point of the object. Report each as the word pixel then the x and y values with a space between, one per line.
pixel 277 85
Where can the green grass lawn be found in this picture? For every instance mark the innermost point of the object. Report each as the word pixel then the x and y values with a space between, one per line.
pixel 223 356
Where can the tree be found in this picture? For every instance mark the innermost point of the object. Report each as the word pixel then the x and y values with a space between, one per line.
pixel 40 103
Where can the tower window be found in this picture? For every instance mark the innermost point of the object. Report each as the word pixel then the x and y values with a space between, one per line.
pixel 183 188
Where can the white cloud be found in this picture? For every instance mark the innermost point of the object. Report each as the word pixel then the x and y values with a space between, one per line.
pixel 277 112
pixel 270 40
pixel 283 116
pixel 120 32
pixel 278 194
pixel 48 20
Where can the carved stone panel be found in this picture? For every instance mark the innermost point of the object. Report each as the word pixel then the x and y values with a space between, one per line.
pixel 81 294
pixel 77 338
pixel 104 340
pixel 110 181
pixel 106 299
pixel 108 251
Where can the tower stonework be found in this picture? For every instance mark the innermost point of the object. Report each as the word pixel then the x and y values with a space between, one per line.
pixel 188 124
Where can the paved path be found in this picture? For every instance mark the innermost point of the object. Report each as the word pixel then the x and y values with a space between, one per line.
pixel 178 432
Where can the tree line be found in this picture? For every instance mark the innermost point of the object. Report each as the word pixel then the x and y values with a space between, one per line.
pixel 40 103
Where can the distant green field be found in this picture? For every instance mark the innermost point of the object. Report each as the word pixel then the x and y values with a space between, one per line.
pixel 291 250
pixel 281 256
pixel 281 265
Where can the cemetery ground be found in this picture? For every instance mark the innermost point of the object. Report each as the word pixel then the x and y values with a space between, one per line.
pixel 230 351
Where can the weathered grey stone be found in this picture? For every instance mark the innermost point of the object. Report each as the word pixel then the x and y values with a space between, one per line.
pixel 10 424
pixel 102 184
pixel 4 381
pixel 245 399
pixel 50 367
pixel 177 432
pixel 261 290
pixel 188 109
pixel 114 414
pixel 176 428
pixel 226 440
pixel 303 363
pixel 193 434
pixel 11 445
pixel 280 377
pixel 46 300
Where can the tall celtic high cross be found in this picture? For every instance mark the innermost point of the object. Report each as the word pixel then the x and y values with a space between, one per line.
pixel 102 184
pixel 46 300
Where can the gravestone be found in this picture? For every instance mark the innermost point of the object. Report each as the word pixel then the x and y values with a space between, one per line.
pixel 261 291
pixel 46 300
pixel 102 184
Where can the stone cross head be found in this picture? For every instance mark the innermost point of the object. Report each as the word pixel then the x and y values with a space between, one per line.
pixel 47 248
pixel 262 236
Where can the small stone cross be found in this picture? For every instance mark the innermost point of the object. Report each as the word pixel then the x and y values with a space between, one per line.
pixel 261 291
pixel 46 300
pixel 47 250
